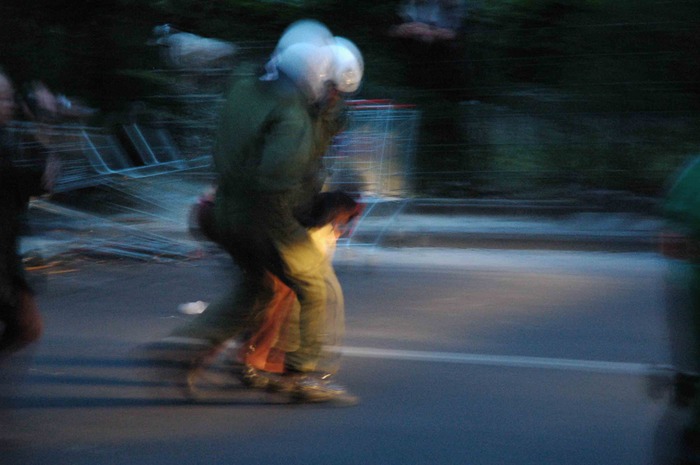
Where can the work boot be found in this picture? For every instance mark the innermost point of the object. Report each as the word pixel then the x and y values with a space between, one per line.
pixel 252 378
pixel 306 387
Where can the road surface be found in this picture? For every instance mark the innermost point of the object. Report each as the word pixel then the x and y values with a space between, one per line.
pixel 475 357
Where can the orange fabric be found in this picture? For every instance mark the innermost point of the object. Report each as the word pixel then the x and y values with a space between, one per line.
pixel 259 351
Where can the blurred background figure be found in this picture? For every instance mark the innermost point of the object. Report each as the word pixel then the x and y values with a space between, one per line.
pixel 678 434
pixel 25 171
pixel 430 20
pixel 430 35
pixel 187 50
pixel 39 105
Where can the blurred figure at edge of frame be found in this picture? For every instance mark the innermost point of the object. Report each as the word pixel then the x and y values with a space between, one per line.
pixel 26 170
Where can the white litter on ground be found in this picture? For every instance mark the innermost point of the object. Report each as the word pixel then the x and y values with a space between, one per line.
pixel 193 308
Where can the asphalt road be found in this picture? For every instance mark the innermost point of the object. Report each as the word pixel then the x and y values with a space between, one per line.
pixel 460 357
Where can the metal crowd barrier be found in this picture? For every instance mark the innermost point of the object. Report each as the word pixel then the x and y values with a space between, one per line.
pixel 90 157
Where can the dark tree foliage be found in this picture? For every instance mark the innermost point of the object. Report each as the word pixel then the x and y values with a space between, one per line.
pixel 638 57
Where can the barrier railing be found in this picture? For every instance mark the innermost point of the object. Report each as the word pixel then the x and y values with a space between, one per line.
pixel 374 158
pixel 90 157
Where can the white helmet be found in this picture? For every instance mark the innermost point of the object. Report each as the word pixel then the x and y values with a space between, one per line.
pixel 308 54
pixel 348 65
pixel 309 66
pixel 304 31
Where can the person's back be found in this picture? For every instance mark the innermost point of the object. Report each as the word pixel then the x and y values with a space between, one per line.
pixel 261 155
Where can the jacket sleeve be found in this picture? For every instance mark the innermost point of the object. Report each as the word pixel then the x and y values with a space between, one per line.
pixel 286 154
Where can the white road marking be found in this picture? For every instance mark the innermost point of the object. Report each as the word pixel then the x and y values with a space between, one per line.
pixel 505 361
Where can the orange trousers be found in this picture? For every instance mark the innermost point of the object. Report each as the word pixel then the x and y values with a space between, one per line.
pixel 259 350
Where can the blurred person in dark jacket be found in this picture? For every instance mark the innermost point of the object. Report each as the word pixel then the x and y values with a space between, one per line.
pixel 430 20
pixel 25 171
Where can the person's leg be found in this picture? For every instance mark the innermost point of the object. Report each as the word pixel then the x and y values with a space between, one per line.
pixel 335 323
pixel 265 348
pixel 286 333
pixel 307 272
pixel 190 348
pixel 279 333
pixel 226 317
pixel 301 269
pixel 311 293
pixel 251 291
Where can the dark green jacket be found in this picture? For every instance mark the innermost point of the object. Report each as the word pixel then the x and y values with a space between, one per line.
pixel 268 157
